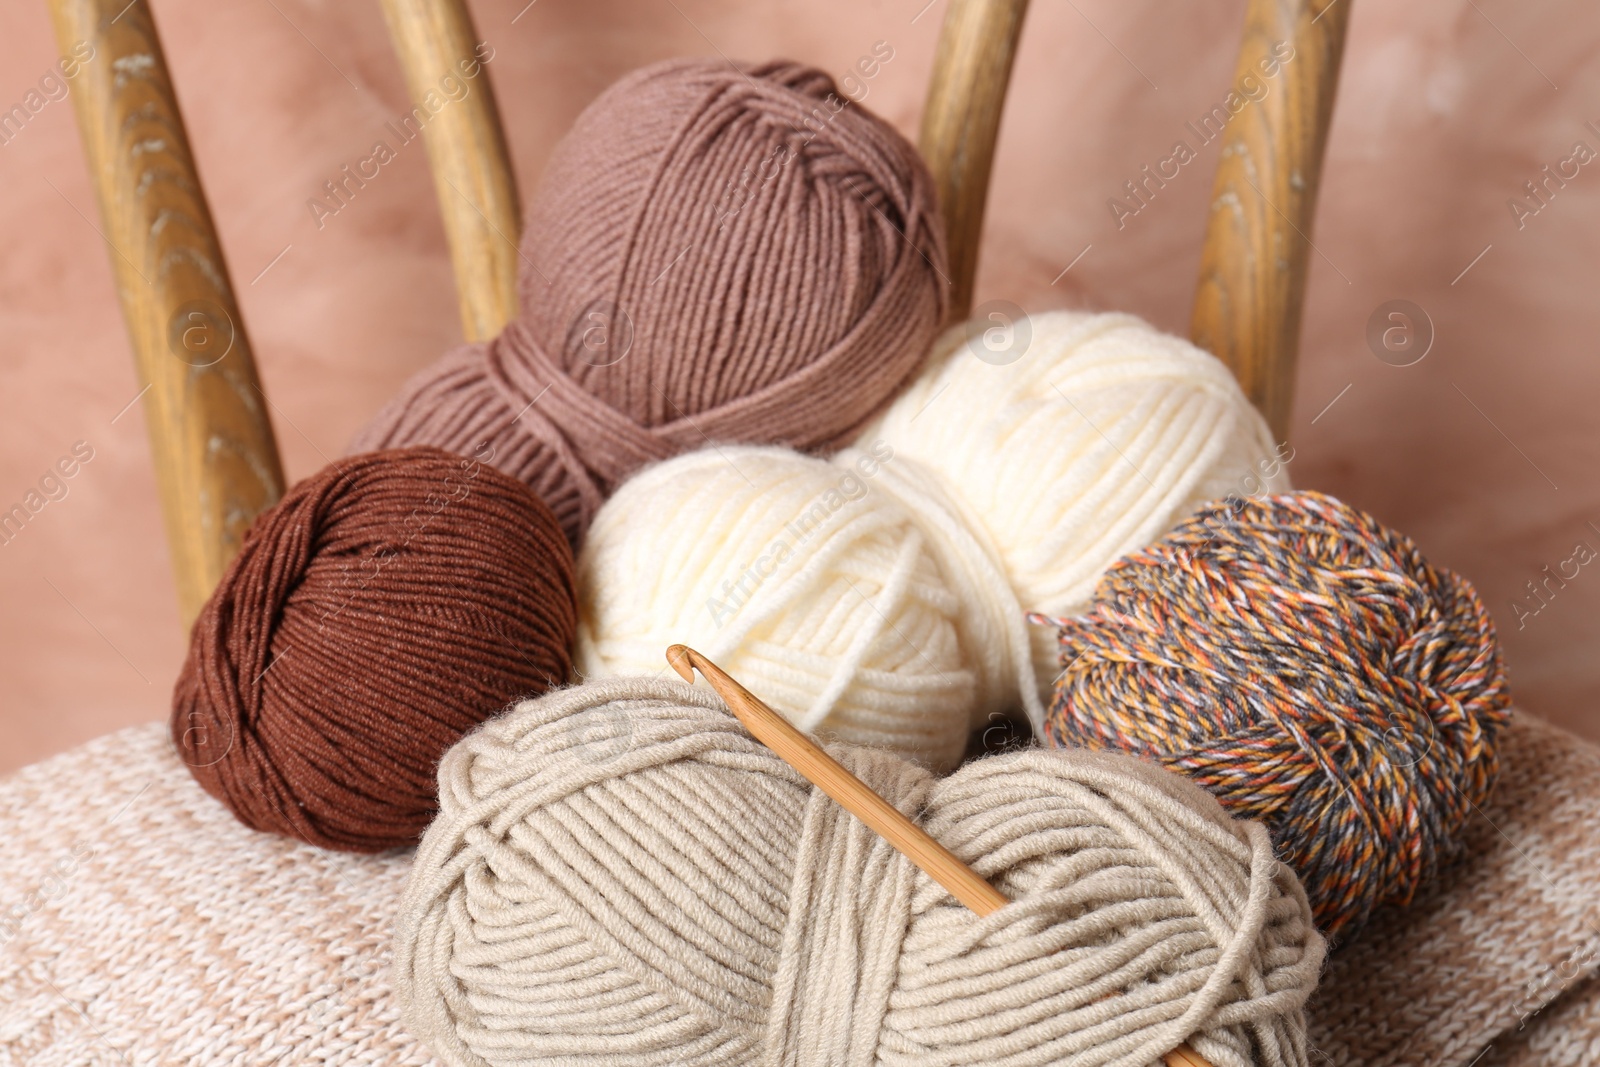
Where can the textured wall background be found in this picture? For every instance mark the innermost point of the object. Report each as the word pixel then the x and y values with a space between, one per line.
pixel 1484 451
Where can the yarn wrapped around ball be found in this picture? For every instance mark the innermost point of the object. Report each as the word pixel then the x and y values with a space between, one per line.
pixel 621 875
pixel 856 595
pixel 1076 438
pixel 716 252
pixel 1305 664
pixel 379 611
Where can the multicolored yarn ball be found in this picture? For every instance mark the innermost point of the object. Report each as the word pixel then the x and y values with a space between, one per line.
pixel 380 610
pixel 716 252
pixel 1305 664
pixel 854 594
pixel 1075 438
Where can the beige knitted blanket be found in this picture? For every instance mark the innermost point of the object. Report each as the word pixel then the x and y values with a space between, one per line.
pixel 1477 958
pixel 140 924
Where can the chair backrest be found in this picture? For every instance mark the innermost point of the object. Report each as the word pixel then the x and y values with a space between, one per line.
pixel 1258 237
pixel 217 463
pixel 216 459
pixel 468 157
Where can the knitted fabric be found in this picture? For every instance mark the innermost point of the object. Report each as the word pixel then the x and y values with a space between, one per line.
pixel 1500 935
pixel 1305 664
pixel 1565 1034
pixel 855 594
pixel 161 931
pixel 141 925
pixel 715 253
pixel 380 610
pixel 620 876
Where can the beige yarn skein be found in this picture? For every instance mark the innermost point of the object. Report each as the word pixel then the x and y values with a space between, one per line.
pixel 620 876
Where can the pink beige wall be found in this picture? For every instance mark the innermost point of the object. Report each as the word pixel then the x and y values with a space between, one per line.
pixel 1485 451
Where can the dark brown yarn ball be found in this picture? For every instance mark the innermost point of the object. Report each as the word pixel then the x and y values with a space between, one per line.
pixel 374 615
pixel 715 253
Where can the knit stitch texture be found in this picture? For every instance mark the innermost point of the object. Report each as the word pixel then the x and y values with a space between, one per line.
pixel 1493 940
pixel 141 924
pixel 150 928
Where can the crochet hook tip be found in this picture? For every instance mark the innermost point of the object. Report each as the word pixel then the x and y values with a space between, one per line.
pixel 681 659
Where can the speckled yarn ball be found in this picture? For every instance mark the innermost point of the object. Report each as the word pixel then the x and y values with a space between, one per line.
pixel 1304 663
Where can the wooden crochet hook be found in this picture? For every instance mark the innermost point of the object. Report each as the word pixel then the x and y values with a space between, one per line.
pixel 852 794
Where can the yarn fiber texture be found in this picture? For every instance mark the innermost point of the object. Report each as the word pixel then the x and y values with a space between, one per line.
pixel 1305 664
pixel 715 253
pixel 1082 439
pixel 374 615
pixel 620 875
pixel 856 595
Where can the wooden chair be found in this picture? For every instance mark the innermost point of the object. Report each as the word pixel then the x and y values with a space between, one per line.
pixel 211 433
pixel 217 460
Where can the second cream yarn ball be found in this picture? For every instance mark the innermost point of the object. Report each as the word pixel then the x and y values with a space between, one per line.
pixel 1092 435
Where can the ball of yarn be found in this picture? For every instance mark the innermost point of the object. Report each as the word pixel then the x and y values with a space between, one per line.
pixel 1305 664
pixel 376 613
pixel 619 874
pixel 855 595
pixel 1086 437
pixel 715 253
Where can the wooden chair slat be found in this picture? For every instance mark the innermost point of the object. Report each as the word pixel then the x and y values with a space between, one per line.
pixel 961 120
pixel 435 40
pixel 1258 236
pixel 216 459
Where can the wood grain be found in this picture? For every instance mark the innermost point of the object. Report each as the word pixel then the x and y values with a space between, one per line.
pixel 856 797
pixel 216 459
pixel 961 120
pixel 435 40
pixel 1258 237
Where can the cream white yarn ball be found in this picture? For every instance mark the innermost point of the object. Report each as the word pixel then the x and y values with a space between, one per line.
pixel 855 595
pixel 1101 435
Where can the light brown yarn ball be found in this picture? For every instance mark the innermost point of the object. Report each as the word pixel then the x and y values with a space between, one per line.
pixel 715 253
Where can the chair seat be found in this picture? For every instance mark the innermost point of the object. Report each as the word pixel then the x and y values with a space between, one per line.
pixel 140 924
pixel 1499 938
